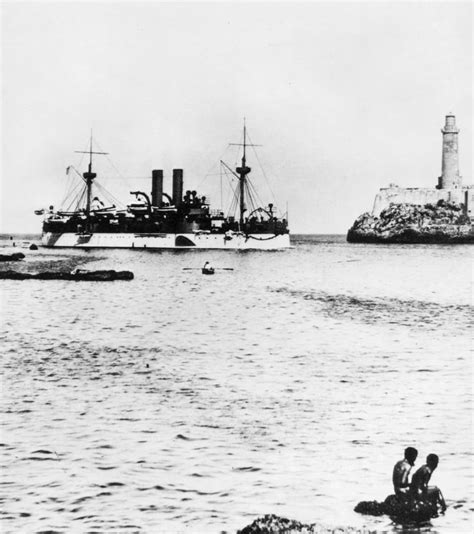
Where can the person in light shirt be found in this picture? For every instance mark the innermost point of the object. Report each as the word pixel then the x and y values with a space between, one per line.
pixel 401 472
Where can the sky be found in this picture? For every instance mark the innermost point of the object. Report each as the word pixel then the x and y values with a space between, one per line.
pixel 344 98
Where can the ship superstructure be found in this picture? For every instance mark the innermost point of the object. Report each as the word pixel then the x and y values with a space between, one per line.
pixel 165 221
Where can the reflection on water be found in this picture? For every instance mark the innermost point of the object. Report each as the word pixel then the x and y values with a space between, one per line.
pixel 183 403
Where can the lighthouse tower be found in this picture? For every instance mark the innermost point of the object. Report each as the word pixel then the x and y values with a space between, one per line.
pixel 450 178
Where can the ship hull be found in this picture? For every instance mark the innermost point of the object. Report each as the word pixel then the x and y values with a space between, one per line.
pixel 199 240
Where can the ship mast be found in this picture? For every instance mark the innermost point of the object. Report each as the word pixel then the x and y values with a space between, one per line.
pixel 242 171
pixel 89 176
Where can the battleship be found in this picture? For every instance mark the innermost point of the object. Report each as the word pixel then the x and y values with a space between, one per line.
pixel 166 221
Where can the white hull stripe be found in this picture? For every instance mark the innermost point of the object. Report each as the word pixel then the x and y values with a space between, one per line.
pixel 167 241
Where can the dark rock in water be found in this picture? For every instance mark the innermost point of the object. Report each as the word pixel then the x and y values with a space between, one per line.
pixel 16 256
pixel 78 275
pixel 270 524
pixel 370 508
pixel 14 275
pixel 403 512
pixel 33 246
pixel 408 223
pixel 273 524
pixel 49 276
pixel 101 276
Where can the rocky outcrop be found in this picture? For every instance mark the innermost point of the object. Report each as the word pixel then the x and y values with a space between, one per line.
pixel 16 256
pixel 273 524
pixel 413 511
pixel 443 222
pixel 78 275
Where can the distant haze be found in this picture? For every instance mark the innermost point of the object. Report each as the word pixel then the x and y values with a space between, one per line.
pixel 344 97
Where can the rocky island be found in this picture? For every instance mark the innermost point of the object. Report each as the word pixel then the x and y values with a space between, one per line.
pixel 441 214
pixel 443 222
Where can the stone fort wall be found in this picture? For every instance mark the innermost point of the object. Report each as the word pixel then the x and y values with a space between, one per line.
pixel 423 195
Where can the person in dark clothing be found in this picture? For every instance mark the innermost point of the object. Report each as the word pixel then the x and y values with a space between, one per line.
pixel 419 488
pixel 401 472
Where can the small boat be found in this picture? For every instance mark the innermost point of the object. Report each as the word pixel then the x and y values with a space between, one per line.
pixel 206 270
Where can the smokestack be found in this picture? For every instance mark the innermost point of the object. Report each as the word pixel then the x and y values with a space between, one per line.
pixel 156 187
pixel 177 186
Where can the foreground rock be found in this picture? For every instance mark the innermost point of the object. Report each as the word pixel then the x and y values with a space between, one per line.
pixel 16 256
pixel 418 511
pixel 273 524
pixel 78 275
pixel 408 223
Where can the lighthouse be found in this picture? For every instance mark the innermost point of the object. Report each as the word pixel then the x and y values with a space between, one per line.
pixel 450 178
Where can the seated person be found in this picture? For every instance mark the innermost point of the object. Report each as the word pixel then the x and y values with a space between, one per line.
pixel 419 488
pixel 401 471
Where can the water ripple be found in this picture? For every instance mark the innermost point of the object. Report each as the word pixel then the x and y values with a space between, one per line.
pixel 290 385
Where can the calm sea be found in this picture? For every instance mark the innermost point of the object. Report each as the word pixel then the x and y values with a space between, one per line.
pixel 291 384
